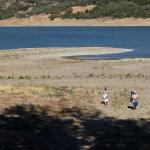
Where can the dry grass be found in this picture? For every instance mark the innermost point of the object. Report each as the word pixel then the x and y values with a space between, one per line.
pixel 42 20
pixel 58 98
pixel 34 77
pixel 49 102
pixel 82 9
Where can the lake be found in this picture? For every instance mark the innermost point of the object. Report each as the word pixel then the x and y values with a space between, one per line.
pixel 137 38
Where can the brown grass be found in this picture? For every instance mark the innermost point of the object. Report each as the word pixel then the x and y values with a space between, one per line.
pixel 74 83
pixel 82 9
pixel 43 20
pixel 71 91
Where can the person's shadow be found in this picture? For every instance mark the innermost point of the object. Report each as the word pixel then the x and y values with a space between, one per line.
pixel 130 107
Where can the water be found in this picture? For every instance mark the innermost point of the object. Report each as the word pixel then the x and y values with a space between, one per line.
pixel 137 38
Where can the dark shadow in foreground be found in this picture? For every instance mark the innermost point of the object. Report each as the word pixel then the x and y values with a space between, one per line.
pixel 29 127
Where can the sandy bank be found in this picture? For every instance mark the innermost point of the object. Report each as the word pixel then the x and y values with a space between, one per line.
pixel 43 20
pixel 82 51
pixel 63 52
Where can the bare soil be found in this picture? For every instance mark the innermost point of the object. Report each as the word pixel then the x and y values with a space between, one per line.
pixel 43 20
pixel 48 102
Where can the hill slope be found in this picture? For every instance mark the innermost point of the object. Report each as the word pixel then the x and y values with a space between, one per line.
pixel 79 9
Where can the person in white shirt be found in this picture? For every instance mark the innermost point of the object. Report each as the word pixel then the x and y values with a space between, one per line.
pixel 105 97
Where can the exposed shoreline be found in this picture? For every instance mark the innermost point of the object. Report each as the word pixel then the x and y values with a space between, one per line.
pixel 43 20
pixel 43 97
pixel 42 77
pixel 68 52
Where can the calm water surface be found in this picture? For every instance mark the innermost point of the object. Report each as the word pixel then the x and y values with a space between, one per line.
pixel 137 38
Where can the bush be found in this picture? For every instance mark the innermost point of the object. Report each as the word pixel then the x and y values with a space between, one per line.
pixel 52 16
pixel 68 13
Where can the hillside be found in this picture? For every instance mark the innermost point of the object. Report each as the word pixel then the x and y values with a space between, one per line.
pixel 79 9
pixel 52 103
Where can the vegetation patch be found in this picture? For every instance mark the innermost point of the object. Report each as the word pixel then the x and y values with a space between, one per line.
pixel 102 8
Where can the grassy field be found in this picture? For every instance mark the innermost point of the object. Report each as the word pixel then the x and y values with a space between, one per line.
pixel 48 102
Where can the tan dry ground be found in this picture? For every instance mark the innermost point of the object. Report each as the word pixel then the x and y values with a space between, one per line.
pixel 47 102
pixel 76 9
pixel 45 69
pixel 43 20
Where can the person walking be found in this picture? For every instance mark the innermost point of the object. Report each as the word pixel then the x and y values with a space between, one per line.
pixel 134 99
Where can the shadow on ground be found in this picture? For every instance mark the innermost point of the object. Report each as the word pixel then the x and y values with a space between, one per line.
pixel 31 127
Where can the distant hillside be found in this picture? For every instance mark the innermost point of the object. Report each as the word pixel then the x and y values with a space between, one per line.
pixel 79 9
